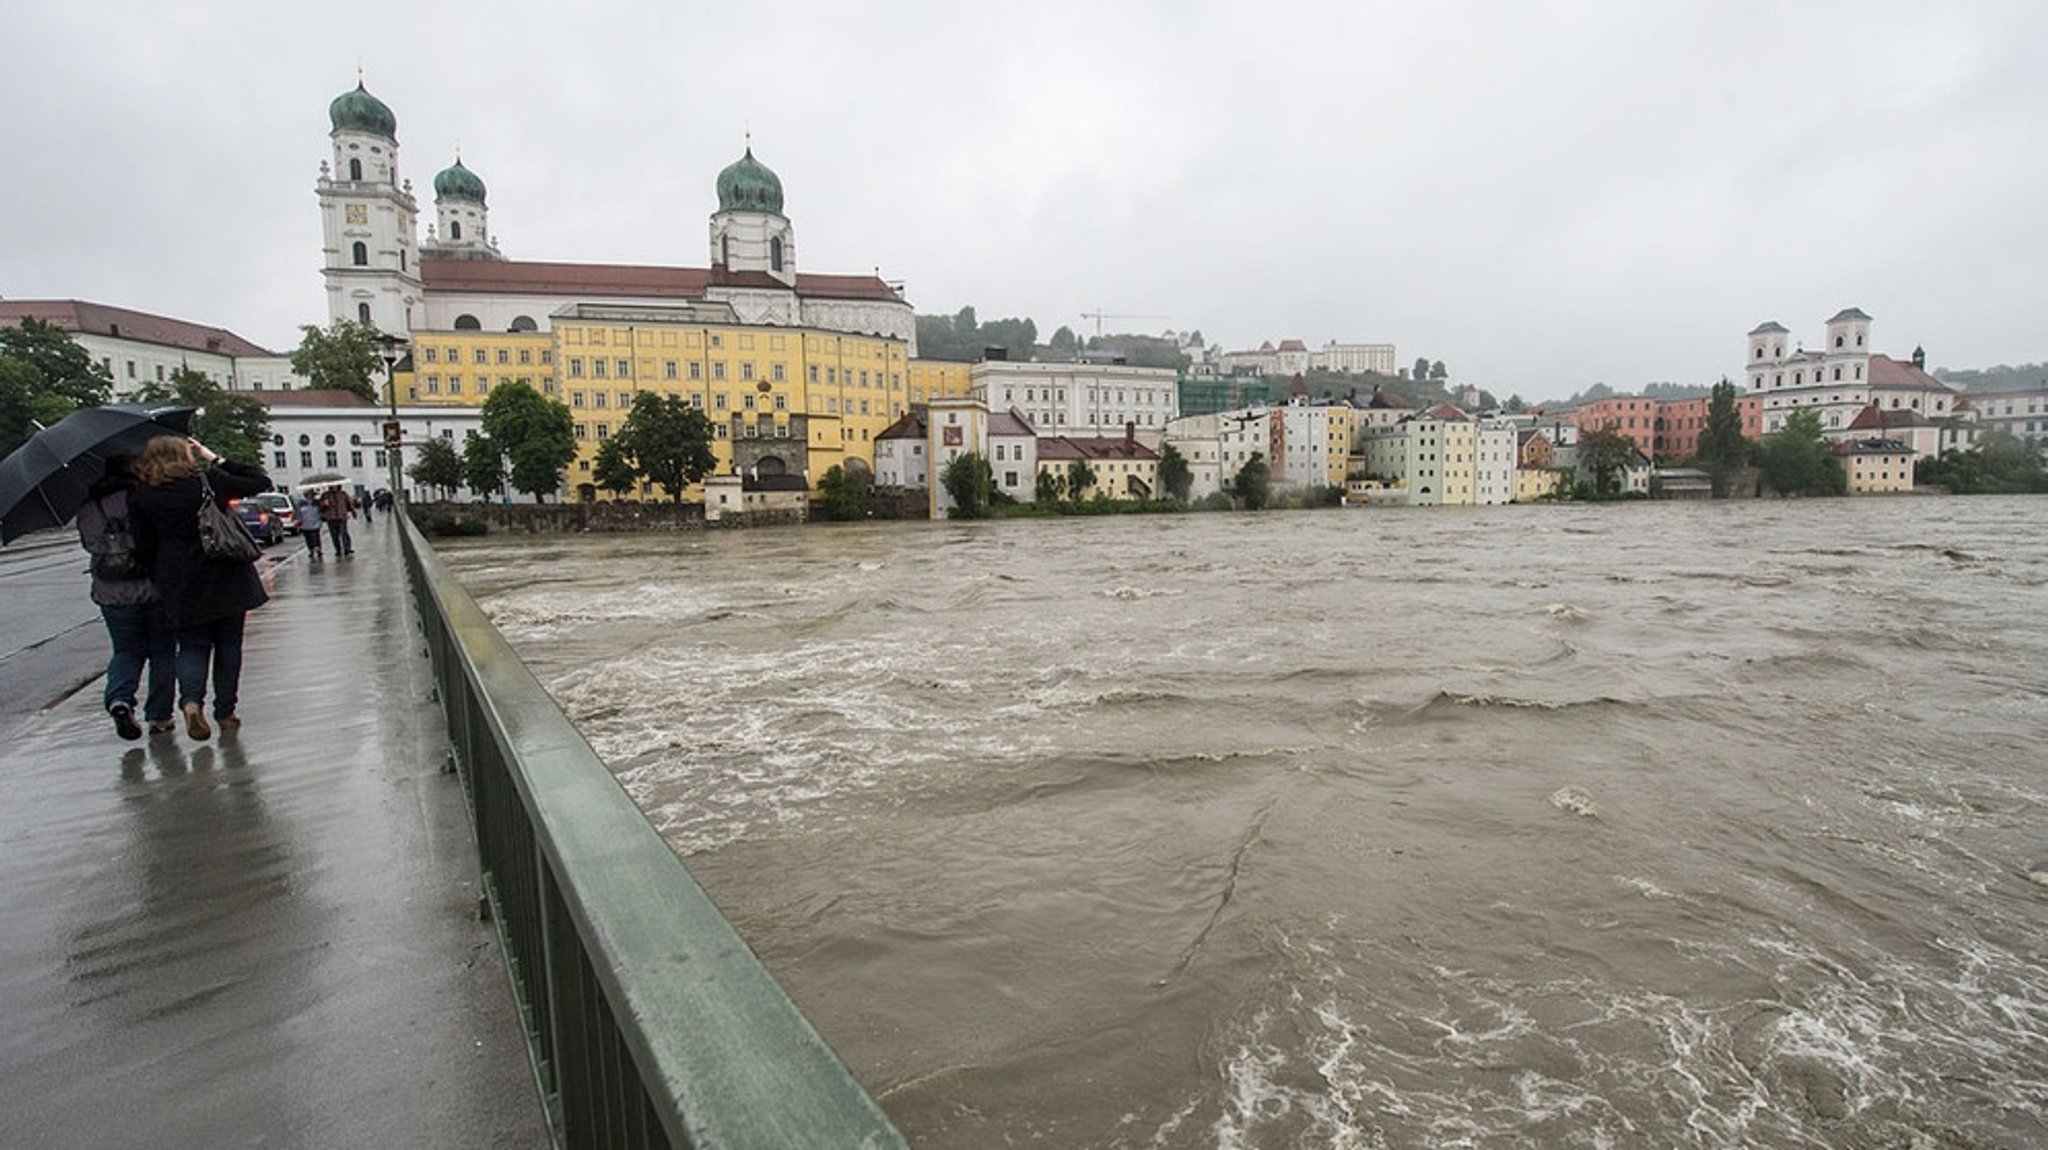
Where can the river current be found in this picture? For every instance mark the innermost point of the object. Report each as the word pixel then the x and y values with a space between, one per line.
pixel 1649 825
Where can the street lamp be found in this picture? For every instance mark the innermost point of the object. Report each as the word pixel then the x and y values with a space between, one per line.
pixel 391 349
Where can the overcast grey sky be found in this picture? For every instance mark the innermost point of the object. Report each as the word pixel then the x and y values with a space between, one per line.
pixel 1543 195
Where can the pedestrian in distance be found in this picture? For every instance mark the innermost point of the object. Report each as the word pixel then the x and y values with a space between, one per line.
pixel 366 503
pixel 206 599
pixel 137 631
pixel 383 500
pixel 308 513
pixel 335 508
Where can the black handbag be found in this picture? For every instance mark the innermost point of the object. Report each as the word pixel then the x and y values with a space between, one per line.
pixel 223 535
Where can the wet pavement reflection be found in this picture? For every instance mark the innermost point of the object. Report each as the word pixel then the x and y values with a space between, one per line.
pixel 266 939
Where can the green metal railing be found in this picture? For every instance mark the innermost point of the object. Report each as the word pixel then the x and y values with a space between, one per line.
pixel 650 1021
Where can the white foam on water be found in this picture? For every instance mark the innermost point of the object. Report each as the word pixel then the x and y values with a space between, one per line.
pixel 1576 801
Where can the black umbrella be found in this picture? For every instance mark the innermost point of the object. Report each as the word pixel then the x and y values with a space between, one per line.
pixel 44 481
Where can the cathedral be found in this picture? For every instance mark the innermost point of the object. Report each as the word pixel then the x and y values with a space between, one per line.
pixel 797 371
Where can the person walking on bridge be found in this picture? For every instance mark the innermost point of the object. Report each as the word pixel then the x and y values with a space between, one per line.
pixel 335 508
pixel 206 600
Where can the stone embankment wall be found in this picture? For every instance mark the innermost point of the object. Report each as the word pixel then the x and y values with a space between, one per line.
pixel 578 518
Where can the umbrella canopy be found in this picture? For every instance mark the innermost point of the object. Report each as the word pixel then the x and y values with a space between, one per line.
pixel 322 479
pixel 43 482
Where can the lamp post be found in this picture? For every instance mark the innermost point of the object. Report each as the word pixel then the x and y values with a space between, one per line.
pixel 391 349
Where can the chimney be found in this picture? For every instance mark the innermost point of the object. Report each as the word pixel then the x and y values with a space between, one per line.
pixel 994 354
pixel 1130 433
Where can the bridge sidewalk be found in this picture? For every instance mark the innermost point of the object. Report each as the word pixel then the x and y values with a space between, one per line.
pixel 269 939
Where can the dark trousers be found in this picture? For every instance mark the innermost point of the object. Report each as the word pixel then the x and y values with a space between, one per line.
pixel 312 535
pixel 139 635
pixel 337 530
pixel 219 644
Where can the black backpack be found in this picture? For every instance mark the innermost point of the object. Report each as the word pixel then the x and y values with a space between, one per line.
pixel 113 549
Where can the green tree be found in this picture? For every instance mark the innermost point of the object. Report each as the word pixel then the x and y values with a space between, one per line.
pixel 537 435
pixel 1604 457
pixel 667 442
pixel 1516 405
pixel 613 469
pixel 1064 343
pixel 437 465
pixel 1050 488
pixel 345 356
pixel 844 495
pixel 1795 459
pixel 1438 371
pixel 1254 483
pixel 44 376
pixel 971 483
pixel 235 426
pixel 1080 477
pixel 1722 449
pixel 1998 463
pixel 483 465
pixel 1176 478
pixel 1421 370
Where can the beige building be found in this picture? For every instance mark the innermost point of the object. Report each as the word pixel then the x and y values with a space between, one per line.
pixel 1876 465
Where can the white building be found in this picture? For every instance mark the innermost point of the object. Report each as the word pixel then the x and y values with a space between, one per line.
pixel 1494 463
pixel 900 452
pixel 954 427
pixel 138 349
pixel 1841 379
pixel 1084 399
pixel 340 431
pixel 1013 455
pixel 1355 358
pixel 457 280
pixel 1307 453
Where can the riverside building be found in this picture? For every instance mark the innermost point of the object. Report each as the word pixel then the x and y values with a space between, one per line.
pixel 1841 379
pixel 797 371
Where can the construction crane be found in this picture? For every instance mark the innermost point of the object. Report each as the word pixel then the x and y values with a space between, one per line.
pixel 1099 316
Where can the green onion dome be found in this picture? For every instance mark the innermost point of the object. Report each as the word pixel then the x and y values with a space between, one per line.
pixel 748 186
pixel 358 111
pixel 458 183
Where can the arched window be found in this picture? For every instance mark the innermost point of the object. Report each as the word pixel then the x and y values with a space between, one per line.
pixel 523 323
pixel 454 229
pixel 362 313
pixel 359 254
pixel 355 169
pixel 775 253
pixel 467 322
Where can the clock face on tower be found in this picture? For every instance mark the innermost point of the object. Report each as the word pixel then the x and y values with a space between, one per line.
pixel 357 214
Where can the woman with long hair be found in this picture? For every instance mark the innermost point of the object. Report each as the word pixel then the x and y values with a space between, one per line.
pixel 205 600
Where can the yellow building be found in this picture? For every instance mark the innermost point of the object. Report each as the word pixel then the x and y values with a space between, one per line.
pixel 932 379
pixel 1344 428
pixel 461 367
pixel 1533 483
pixel 1876 466
pixel 780 400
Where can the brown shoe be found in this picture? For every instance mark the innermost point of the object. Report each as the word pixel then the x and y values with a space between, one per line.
pixel 195 722
pixel 229 723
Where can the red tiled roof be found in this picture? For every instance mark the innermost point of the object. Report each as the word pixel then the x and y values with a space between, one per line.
pixel 1010 423
pixel 82 317
pixel 1066 447
pixel 1888 372
pixel 1875 418
pixel 527 277
pixel 1292 345
pixel 909 425
pixel 310 397
pixel 1446 412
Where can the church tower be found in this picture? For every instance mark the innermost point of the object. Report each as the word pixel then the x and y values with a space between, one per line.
pixel 749 233
pixel 463 231
pixel 367 218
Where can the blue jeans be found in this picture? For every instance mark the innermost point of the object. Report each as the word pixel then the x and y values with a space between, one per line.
pixel 139 635
pixel 337 529
pixel 220 644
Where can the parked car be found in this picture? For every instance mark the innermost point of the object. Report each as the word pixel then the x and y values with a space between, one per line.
pixel 260 521
pixel 280 506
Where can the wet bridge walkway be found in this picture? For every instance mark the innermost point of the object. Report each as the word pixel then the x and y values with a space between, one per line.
pixel 268 939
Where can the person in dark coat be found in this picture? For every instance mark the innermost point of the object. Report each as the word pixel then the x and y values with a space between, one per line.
pixel 206 600
pixel 136 629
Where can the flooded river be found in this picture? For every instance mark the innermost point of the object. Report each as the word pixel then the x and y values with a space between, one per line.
pixel 1646 825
